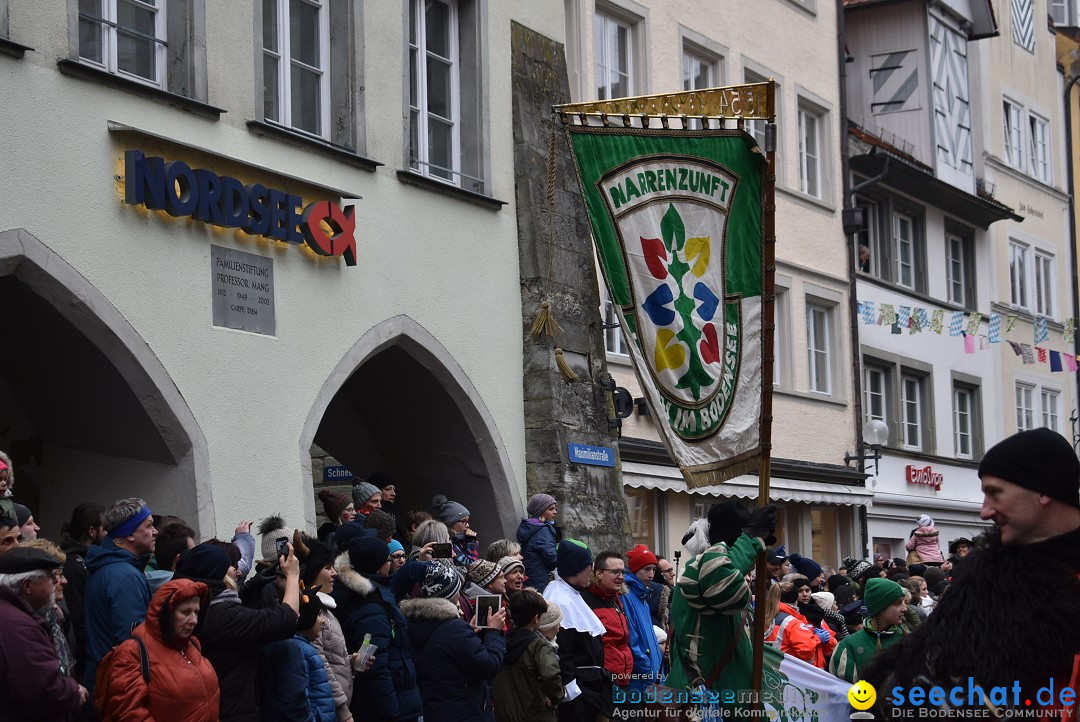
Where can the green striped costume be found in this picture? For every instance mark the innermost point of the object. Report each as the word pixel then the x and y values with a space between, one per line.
pixel 711 599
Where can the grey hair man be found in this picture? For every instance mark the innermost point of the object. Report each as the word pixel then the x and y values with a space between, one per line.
pixel 117 593
pixel 32 686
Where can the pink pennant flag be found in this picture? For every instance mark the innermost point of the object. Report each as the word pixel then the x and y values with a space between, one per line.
pixel 1070 362
pixel 969 343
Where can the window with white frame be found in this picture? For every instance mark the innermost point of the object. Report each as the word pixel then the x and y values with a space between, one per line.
pixel 699 72
pixel 876 393
pixel 614 342
pixel 1044 284
pixel 955 269
pixel 1018 262
pixel 125 37
pixel 819 347
pixel 963 422
pixel 810 151
pixel 911 411
pixel 296 61
pixel 1063 12
pixel 904 249
pixel 434 100
pixel 1048 405
pixel 1013 127
pixel 614 53
pixel 1039 136
pixel 1025 407
pixel 780 316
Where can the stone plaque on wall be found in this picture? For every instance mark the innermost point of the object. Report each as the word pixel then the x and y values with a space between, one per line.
pixel 243 290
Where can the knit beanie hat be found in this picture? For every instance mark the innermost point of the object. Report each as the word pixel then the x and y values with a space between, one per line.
pixel 825 600
pixel 395 546
pixel 507 564
pixel 538 504
pixel 552 618
pixel 571 556
pixel 22 513
pixel 367 554
pixel 333 504
pixel 880 593
pixel 640 557
pixel 660 634
pixel 856 569
pixel 933 575
pixel 349 531
pixel 805 566
pixel 448 512
pixel 362 492
pixel 483 572
pixel 1040 460
pixel 726 521
pixel 204 561
pixel 442 581
pixel 272 528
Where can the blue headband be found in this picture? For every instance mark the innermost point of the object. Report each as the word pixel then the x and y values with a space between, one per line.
pixel 128 527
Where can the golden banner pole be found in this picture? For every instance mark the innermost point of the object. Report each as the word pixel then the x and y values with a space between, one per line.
pixel 768 324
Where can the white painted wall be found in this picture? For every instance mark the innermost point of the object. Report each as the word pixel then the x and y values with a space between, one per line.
pixel 449 265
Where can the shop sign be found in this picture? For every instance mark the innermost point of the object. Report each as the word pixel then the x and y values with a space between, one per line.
pixel 182 192
pixel 926 476
pixel 591 455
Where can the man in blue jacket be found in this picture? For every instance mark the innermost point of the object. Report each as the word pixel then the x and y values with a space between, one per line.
pixel 643 644
pixel 117 593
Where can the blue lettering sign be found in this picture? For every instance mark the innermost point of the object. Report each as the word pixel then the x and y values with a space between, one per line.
pixel 337 473
pixel 591 455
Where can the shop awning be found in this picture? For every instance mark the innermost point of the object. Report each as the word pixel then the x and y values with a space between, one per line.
pixel 668 478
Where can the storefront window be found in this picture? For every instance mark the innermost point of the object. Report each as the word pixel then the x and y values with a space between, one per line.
pixel 642 509
pixel 824 536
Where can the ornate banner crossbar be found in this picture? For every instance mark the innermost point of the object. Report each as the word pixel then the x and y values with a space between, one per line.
pixel 748 102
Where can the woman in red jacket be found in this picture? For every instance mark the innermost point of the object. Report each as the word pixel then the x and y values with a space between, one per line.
pixel 183 686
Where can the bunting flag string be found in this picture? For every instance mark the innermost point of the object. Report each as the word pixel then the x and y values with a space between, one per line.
pixel 1042 334
pixel 967 325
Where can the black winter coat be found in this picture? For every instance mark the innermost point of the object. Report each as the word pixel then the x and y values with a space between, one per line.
pixel 365 605
pixel 231 637
pixel 454 664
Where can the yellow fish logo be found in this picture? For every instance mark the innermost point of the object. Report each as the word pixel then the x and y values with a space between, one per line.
pixel 862 695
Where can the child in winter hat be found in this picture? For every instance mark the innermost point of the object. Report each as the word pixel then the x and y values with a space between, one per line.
pixel 448 512
pixel 538 504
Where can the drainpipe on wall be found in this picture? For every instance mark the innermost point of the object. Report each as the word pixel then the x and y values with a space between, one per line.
pixel 853 300
pixel 1072 222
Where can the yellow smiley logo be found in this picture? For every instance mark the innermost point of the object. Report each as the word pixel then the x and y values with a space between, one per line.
pixel 862 695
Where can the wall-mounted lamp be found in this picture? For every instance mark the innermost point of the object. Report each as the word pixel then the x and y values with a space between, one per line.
pixel 875 434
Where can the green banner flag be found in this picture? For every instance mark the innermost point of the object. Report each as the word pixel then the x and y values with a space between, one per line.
pixel 677 218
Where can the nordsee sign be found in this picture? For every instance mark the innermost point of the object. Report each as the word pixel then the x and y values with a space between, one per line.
pixel 181 191
pixel 591 455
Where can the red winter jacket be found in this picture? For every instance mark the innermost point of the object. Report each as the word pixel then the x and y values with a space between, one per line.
pixel 618 658
pixel 797 637
pixel 183 686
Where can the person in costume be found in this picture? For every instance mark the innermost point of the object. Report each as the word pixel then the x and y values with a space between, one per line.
pixel 1031 488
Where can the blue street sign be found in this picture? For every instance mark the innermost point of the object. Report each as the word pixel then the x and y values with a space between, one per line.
pixel 591 455
pixel 337 473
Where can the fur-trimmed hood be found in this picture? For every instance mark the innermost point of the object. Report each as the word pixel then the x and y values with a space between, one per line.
pixel 11 474
pixel 429 610
pixel 351 579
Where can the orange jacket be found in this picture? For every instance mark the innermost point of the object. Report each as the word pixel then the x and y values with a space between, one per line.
pixel 183 686
pixel 799 639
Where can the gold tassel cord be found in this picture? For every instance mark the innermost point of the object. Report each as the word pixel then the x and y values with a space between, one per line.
pixel 545 324
pixel 564 368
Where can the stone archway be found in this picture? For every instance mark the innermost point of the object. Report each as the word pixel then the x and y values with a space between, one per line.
pixel 398 402
pixel 85 403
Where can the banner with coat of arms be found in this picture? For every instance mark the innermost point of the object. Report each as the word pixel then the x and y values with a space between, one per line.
pixel 677 218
